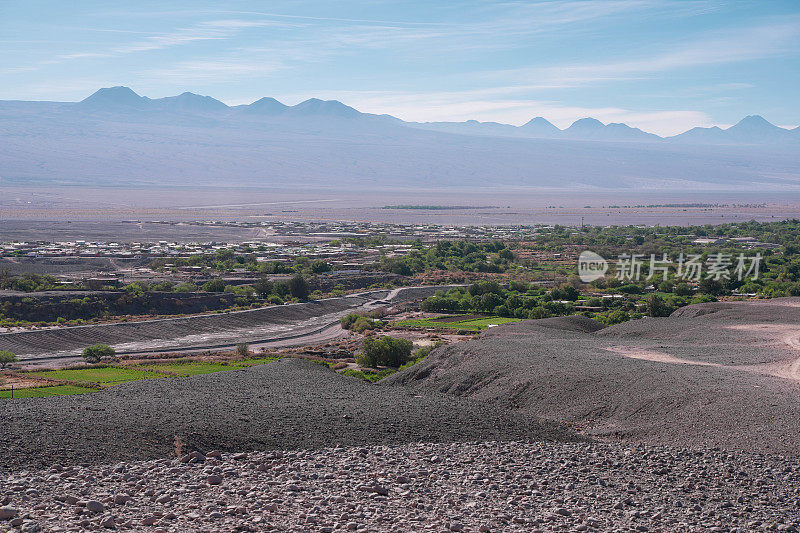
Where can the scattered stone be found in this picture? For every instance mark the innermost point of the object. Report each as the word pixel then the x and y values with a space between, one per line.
pixel 7 513
pixel 483 487
pixel 93 506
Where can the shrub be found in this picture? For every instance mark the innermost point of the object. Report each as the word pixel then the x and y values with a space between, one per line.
pixel 348 320
pixel 185 287
pixel 363 324
pixel 357 323
pixel 242 349
pixel 136 288
pixel 421 354
pixel 616 317
pixel 93 354
pixel 630 289
pixel 162 286
pixel 6 358
pixel 384 351
pixel 215 285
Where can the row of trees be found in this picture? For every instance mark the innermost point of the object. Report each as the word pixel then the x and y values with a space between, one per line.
pixel 227 260
pixel 452 256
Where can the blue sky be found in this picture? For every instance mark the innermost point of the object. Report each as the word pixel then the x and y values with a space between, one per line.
pixel 660 65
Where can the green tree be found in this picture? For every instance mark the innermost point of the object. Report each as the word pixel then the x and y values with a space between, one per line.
pixel 384 351
pixel 318 267
pixel 93 354
pixel 710 286
pixel 263 287
pixel 298 287
pixel 539 312
pixel 656 306
pixel 6 358
pixel 683 289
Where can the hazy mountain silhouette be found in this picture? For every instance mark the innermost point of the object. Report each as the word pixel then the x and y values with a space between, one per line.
pixel 111 98
pixel 188 102
pixel 265 106
pixel 540 127
pixel 117 137
pixel 753 129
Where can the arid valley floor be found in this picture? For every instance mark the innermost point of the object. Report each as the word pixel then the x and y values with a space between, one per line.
pixel 684 423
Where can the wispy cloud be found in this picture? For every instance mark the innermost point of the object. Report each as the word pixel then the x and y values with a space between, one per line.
pixel 203 32
pixel 187 73
pixel 732 46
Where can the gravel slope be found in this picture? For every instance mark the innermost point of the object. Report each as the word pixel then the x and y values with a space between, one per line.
pixel 714 375
pixel 489 486
pixel 286 404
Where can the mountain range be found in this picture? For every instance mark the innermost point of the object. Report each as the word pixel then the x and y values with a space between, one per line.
pixel 753 129
pixel 117 137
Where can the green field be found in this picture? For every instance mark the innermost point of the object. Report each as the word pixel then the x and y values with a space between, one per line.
pixel 40 392
pixel 484 323
pixel 112 375
pixel 104 376
pixel 476 324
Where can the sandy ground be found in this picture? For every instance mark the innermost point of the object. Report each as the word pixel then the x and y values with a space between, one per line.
pixel 652 355
pixel 779 335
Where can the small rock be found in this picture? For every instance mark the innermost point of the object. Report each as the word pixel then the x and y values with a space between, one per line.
pixel 30 527
pixel 7 513
pixel 214 480
pixel 93 506
pixel 149 521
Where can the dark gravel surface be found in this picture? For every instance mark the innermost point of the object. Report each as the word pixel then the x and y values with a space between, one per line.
pixel 732 381
pixel 469 487
pixel 286 404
